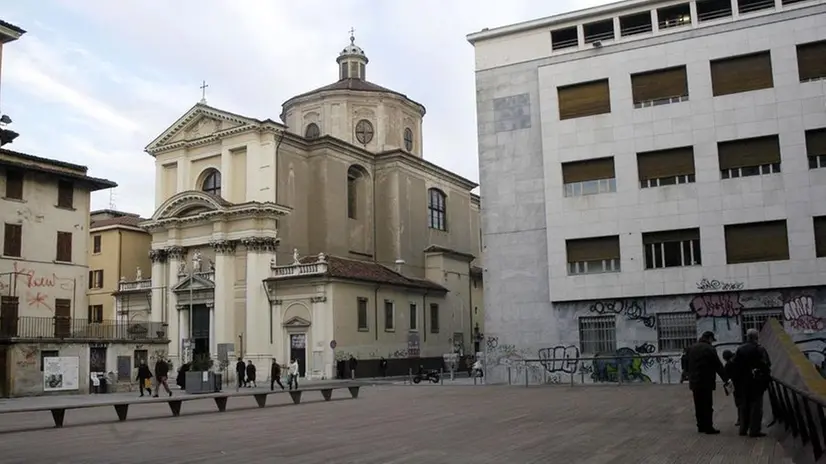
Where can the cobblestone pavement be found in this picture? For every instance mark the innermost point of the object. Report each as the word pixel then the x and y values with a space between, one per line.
pixel 401 424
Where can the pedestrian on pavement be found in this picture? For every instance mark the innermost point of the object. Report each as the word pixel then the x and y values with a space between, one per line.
pixel 293 374
pixel 728 357
pixel 383 367
pixel 162 377
pixel 353 364
pixel 144 378
pixel 240 373
pixel 703 368
pixel 251 374
pixel 684 365
pixel 275 375
pixel 753 372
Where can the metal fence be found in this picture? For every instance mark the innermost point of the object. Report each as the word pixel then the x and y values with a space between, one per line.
pixel 80 329
pixel 801 413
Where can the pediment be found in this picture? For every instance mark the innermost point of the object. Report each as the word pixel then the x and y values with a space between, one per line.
pixel 188 203
pixel 194 283
pixel 200 123
pixel 297 322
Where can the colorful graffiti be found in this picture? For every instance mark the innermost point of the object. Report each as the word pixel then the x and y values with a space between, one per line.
pixel 799 312
pixel 633 310
pixel 560 358
pixel 624 365
pixel 716 306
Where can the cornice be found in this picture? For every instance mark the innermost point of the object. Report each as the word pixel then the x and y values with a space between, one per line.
pixel 427 166
pixel 351 95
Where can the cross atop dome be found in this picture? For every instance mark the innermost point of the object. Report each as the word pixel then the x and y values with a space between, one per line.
pixel 352 61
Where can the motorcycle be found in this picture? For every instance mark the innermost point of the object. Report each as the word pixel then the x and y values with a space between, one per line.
pixel 431 376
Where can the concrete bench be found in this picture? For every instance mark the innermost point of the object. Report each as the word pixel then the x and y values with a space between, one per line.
pixel 175 402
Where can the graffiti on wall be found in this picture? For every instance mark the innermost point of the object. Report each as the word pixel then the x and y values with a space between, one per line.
pixel 38 286
pixel 800 313
pixel 560 358
pixel 706 285
pixel 717 306
pixel 28 356
pixel 625 364
pixel 632 309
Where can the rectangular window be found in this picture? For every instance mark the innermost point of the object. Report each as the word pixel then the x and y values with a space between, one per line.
pixel 666 167
pixel 434 318
pixel 96 244
pixel 742 73
pixel 708 10
pixel 47 354
pixel 635 23
pixel 676 331
pixel 671 248
pixel 820 236
pixel 757 318
pixel 14 184
pixel 389 316
pixel 13 240
pixel 597 334
pixel 8 315
pixel 749 6
pixel 96 279
pixel 62 318
pixel 64 247
pixel 811 61
pixel 95 313
pixel 598 31
pixel 756 242
pixel 65 194
pixel 140 355
pixel 595 255
pixel 586 99
pixel 659 87
pixel 589 177
pixel 564 38
pixel 414 317
pixel 749 157
pixel 816 148
pixel 674 16
pixel 362 314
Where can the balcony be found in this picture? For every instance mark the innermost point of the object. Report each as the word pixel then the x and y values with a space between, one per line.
pixel 208 275
pixel 80 329
pixel 299 268
pixel 134 285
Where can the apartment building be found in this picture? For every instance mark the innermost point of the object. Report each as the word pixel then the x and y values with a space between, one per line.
pixel 118 253
pixel 651 170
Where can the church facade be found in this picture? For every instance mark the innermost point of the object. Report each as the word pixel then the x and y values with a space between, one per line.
pixel 323 236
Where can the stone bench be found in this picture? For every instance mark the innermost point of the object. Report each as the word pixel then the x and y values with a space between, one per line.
pixel 175 402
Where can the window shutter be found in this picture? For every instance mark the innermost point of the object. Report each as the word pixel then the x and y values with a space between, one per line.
pixel 816 142
pixel 670 236
pixel 586 99
pixel 64 247
pixel 748 152
pixel 756 242
pixel 741 74
pixel 820 236
pixel 13 240
pixel 14 184
pixel 593 249
pixel 811 60
pixel 593 169
pixel 665 163
pixel 659 84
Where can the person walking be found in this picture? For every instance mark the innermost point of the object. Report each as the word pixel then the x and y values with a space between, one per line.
pixel 353 364
pixel 752 368
pixel 383 366
pixel 703 368
pixel 293 374
pixel 162 377
pixel 275 375
pixel 144 378
pixel 240 373
pixel 728 358
pixel 251 375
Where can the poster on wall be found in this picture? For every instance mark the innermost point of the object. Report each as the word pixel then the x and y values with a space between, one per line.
pixel 60 373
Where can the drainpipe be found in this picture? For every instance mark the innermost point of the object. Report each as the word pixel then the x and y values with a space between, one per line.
pixel 470 299
pixel 424 317
pixel 375 245
pixel 376 309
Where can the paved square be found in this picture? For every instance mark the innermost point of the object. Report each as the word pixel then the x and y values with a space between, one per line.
pixel 401 424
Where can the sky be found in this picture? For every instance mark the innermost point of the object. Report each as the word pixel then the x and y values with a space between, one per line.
pixel 93 82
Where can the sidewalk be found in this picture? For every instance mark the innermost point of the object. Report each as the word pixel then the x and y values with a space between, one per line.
pixel 91 399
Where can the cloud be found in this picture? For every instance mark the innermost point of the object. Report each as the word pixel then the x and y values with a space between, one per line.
pixel 114 75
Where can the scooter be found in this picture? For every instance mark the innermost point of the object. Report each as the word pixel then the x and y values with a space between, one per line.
pixel 433 376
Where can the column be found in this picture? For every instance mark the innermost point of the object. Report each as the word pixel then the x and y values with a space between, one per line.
pixel 278 343
pixel 213 346
pixel 260 252
pixel 224 296
pixel 174 259
pixel 322 336
pixel 159 281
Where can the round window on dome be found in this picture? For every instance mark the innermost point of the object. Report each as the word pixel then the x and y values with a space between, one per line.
pixel 364 131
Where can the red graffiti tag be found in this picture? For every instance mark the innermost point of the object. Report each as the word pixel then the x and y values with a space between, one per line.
pixel 38 300
pixel 716 305
pixel 807 323
pixel 33 280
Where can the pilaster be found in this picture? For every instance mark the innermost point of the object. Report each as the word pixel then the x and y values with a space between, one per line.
pixel 321 337
pixel 174 258
pixel 260 252
pixel 159 311
pixel 278 342
pixel 224 294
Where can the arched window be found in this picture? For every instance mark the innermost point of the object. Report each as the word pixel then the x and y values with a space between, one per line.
pixel 437 209
pixel 312 131
pixel 212 183
pixel 408 139
pixel 355 178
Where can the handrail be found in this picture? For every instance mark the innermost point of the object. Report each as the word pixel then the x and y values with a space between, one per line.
pixel 796 410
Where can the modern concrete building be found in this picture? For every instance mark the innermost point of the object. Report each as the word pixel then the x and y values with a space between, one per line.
pixel 319 237
pixel 118 252
pixel 650 170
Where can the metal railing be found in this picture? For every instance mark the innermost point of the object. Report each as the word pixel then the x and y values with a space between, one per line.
pixel 801 413
pixel 126 285
pixel 28 327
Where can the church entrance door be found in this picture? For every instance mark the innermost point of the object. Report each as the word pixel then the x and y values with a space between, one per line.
pixel 200 330
pixel 298 350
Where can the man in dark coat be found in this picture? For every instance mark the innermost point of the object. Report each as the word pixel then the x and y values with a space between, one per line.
pixel 275 375
pixel 144 374
pixel 241 373
pixel 752 370
pixel 703 368
pixel 162 377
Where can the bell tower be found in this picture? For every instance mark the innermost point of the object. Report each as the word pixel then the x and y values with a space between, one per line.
pixel 352 62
